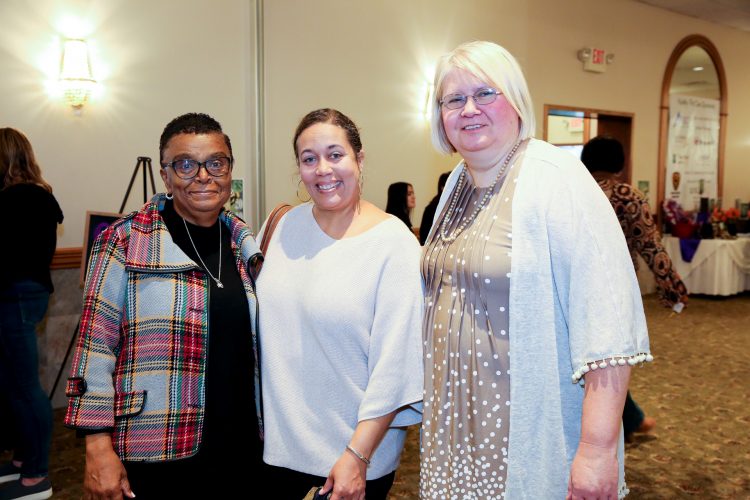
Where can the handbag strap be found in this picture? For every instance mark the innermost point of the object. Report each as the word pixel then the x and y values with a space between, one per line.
pixel 273 219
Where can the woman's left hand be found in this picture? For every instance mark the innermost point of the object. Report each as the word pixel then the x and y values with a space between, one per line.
pixel 594 473
pixel 347 479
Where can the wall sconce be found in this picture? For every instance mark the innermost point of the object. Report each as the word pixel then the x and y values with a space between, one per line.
pixel 595 60
pixel 75 74
pixel 428 91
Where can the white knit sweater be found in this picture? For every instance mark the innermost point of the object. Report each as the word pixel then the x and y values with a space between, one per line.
pixel 340 324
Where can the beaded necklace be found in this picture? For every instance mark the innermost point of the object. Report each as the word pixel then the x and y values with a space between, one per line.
pixel 457 192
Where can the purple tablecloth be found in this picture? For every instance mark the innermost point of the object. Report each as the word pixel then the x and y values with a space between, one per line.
pixel 688 247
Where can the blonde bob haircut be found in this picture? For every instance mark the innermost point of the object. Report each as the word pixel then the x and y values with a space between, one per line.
pixel 496 67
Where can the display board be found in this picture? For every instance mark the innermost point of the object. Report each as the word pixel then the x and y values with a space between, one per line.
pixel 692 150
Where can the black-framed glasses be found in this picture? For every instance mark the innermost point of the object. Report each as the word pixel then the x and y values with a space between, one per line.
pixel 187 168
pixel 481 96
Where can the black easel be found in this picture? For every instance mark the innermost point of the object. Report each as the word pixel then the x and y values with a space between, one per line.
pixel 143 162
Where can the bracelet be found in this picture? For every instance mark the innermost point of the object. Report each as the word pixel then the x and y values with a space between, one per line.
pixel 358 454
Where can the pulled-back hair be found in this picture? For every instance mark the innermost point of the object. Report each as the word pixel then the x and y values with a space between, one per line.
pixel 191 123
pixel 17 161
pixel 603 153
pixel 334 117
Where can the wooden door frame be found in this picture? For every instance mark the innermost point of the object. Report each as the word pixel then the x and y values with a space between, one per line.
pixel 589 112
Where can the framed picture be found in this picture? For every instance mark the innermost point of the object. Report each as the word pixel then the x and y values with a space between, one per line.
pixel 644 187
pixel 235 203
pixel 96 222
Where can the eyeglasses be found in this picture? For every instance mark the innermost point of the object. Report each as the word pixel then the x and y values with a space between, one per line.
pixel 188 168
pixel 481 96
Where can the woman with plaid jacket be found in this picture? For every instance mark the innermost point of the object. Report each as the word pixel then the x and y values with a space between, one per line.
pixel 164 383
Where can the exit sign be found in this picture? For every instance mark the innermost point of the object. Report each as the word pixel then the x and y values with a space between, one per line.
pixel 597 62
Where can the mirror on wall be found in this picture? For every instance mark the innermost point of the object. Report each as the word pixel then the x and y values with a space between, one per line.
pixel 695 75
pixel 692 125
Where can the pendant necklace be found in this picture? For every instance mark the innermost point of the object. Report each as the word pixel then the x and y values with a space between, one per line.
pixel 217 280
pixel 443 233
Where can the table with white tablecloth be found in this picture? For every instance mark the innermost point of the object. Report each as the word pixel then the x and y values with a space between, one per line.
pixel 719 267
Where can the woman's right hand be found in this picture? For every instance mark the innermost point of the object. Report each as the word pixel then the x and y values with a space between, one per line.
pixel 347 479
pixel 105 477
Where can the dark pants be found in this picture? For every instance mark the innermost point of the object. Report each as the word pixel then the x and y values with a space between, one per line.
pixel 22 306
pixel 288 484
pixel 204 475
pixel 632 416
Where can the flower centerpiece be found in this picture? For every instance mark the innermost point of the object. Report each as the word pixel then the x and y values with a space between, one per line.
pixel 724 222
pixel 681 221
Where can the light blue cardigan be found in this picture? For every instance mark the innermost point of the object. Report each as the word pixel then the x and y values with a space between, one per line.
pixel 574 305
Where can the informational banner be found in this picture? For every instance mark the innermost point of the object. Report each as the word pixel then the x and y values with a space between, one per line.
pixel 692 150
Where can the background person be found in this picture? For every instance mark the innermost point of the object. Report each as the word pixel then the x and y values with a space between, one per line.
pixel 163 381
pixel 29 215
pixel 340 327
pixel 525 257
pixel 401 201
pixel 429 211
pixel 604 157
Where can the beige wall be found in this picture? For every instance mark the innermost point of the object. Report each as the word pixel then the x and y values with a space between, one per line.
pixel 157 59
pixel 371 61
pixel 642 38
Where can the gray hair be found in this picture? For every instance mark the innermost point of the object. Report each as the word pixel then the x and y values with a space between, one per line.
pixel 494 65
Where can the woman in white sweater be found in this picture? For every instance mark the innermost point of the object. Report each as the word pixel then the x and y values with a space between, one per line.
pixel 340 322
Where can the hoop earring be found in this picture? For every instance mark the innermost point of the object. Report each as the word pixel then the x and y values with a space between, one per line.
pixel 361 183
pixel 298 196
pixel 170 196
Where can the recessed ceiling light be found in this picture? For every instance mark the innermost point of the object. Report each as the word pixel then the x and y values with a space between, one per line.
pixel 697 68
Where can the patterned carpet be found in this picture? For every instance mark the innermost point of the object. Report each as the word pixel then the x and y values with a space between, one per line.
pixel 698 389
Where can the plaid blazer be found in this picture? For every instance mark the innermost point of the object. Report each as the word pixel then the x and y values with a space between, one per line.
pixel 140 362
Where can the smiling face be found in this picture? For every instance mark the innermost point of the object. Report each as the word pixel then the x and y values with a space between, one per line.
pixel 480 133
pixel 197 200
pixel 329 167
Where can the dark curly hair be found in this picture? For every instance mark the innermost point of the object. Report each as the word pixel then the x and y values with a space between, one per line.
pixel 191 123
pixel 603 154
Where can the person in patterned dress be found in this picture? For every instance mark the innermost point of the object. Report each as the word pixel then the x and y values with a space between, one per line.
pixel 604 157
pixel 525 257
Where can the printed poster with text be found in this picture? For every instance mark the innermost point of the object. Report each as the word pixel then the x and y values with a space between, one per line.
pixel 692 151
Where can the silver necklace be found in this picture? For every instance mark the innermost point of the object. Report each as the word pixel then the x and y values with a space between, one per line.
pixel 217 280
pixel 457 192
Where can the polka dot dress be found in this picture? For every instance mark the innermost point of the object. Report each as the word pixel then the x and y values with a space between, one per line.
pixel 467 379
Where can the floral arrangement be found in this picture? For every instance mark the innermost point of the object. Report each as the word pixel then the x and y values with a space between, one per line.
pixel 732 213
pixel 719 215
pixel 675 214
